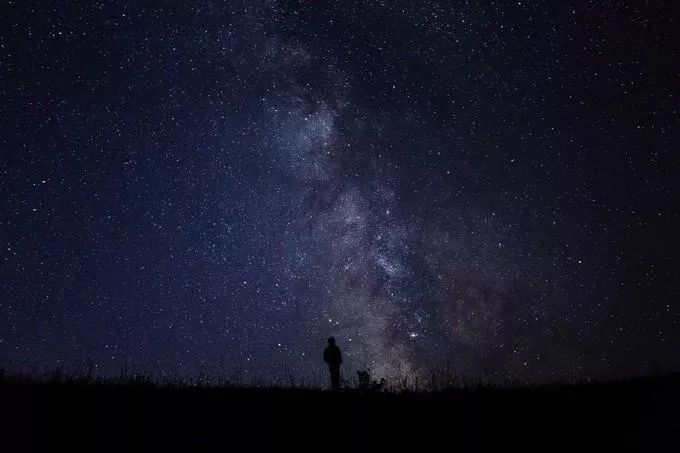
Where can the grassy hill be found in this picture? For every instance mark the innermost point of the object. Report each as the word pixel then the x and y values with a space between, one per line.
pixel 632 415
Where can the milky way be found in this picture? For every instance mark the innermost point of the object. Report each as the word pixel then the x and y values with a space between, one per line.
pixel 216 188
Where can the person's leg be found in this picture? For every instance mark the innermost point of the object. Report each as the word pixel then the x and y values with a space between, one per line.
pixel 335 378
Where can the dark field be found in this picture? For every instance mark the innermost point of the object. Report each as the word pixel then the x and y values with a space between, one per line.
pixel 632 415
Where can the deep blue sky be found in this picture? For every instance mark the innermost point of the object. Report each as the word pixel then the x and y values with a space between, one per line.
pixel 218 186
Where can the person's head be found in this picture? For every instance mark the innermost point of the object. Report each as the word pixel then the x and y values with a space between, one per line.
pixel 331 341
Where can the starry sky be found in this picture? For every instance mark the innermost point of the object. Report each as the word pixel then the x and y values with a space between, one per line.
pixel 217 186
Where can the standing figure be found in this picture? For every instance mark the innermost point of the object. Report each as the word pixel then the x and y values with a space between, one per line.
pixel 332 356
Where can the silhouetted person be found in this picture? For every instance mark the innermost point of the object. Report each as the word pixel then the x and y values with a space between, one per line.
pixel 332 356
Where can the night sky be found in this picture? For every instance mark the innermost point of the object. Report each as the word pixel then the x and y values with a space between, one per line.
pixel 216 187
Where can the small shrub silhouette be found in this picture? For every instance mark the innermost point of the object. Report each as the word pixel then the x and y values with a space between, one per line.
pixel 367 384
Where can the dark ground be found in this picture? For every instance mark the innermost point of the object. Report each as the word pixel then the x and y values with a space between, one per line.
pixel 633 415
